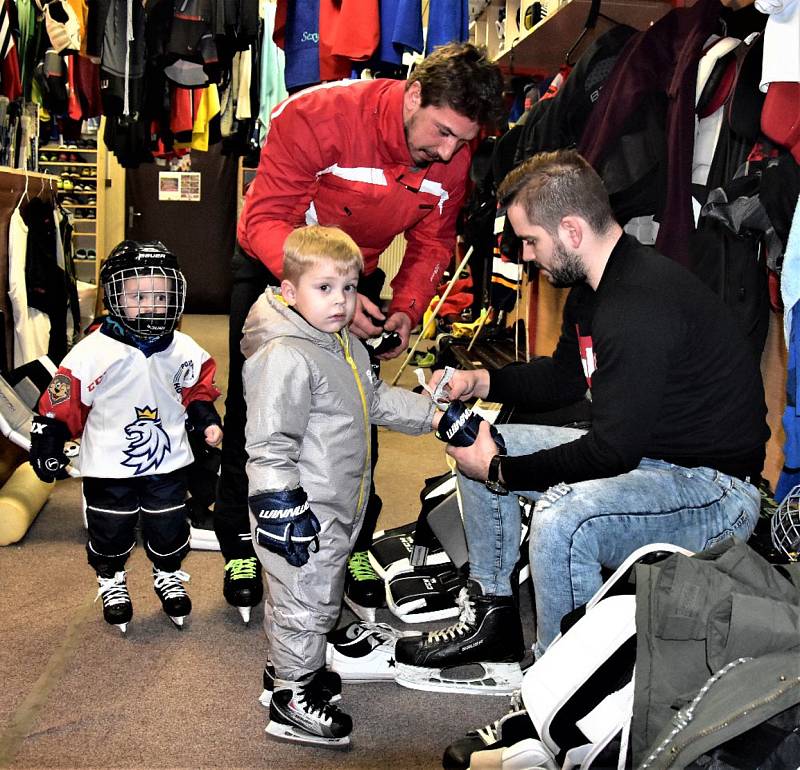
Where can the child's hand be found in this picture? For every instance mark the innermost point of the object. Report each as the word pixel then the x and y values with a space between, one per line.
pixel 213 434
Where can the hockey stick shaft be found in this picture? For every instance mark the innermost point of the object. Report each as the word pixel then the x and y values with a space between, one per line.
pixel 434 315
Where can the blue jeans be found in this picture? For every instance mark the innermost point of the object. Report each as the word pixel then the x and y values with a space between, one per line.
pixel 576 529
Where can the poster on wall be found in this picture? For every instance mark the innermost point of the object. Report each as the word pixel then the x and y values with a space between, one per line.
pixel 178 186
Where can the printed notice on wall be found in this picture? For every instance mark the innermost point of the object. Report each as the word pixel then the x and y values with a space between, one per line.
pixel 178 186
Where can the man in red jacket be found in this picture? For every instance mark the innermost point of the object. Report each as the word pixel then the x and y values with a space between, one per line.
pixel 375 158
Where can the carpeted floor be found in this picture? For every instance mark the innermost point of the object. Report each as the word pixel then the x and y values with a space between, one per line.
pixel 77 694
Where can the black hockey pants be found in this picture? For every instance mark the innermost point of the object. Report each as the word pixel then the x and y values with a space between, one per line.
pixel 113 508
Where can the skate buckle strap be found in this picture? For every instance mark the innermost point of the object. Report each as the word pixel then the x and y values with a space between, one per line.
pixel 169 583
pixel 113 590
pixel 242 569
pixel 437 393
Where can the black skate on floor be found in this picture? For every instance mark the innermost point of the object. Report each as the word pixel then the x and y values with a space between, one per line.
pixel 300 712
pixel 174 600
pixel 478 654
pixel 329 681
pixel 243 588
pixel 364 590
pixel 117 607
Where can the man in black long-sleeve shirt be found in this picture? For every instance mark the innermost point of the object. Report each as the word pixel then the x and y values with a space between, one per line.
pixel 678 423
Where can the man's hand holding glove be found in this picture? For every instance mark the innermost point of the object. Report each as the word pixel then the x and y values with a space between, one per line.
pixel 459 426
pixel 286 524
pixel 47 456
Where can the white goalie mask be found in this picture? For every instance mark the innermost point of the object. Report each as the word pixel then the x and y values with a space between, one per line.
pixel 143 288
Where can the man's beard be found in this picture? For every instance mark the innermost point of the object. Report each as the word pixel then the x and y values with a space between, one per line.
pixel 567 269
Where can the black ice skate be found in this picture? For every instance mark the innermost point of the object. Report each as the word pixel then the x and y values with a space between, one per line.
pixel 364 591
pixel 330 682
pixel 478 654
pixel 117 607
pixel 512 727
pixel 243 588
pixel 174 599
pixel 301 713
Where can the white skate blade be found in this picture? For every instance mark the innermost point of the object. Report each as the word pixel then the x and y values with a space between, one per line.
pixel 177 620
pixel 363 613
pixel 488 679
pixel 122 627
pixel 290 734
pixel 245 613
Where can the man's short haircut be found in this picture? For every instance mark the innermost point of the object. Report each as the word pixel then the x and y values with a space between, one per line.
pixel 552 185
pixel 461 76
pixel 307 246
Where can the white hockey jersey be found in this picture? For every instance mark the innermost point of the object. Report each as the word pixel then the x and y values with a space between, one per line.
pixel 128 407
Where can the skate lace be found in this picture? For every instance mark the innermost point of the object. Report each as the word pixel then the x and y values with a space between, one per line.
pixel 113 590
pixel 465 620
pixel 168 584
pixel 360 566
pixel 315 702
pixel 242 569
pixel 491 733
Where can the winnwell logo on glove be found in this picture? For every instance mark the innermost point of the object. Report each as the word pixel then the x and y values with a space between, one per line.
pixel 286 524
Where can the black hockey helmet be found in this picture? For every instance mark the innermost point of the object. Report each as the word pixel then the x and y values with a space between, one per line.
pixel 151 306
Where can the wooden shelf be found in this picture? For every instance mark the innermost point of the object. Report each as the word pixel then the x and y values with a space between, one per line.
pixel 543 48
pixel 56 148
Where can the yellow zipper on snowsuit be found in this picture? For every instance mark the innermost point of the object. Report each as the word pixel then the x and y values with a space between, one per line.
pixel 345 343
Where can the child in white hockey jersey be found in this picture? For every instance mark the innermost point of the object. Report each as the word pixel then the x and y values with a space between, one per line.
pixel 131 390
pixel 311 397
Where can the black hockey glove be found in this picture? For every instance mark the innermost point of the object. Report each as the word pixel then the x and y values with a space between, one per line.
pixel 459 426
pixel 47 448
pixel 286 524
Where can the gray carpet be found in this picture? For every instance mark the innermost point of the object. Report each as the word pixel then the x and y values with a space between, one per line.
pixel 77 694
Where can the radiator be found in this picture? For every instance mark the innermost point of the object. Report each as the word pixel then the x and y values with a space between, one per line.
pixel 390 261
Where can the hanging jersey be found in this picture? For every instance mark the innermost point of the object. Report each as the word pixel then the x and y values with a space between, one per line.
pixel 130 408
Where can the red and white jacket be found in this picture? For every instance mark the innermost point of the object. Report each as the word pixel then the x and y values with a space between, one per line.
pixel 336 155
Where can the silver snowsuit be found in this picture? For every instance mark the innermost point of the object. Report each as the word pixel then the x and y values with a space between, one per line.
pixel 311 397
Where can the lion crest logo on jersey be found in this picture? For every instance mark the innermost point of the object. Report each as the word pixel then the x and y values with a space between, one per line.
pixel 148 441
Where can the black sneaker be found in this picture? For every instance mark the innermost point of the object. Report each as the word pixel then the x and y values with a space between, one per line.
pixel 300 712
pixel 364 590
pixel 488 635
pixel 243 588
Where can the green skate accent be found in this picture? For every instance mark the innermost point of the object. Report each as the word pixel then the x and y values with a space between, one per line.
pixel 360 567
pixel 242 569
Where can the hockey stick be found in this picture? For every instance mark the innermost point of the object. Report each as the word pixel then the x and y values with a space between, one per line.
pixel 434 314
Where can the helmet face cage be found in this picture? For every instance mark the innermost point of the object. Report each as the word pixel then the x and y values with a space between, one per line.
pixel 147 300
pixel 785 525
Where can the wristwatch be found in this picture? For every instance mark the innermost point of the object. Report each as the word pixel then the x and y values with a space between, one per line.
pixel 493 483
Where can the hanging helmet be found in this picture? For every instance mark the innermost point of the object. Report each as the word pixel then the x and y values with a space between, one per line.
pixel 151 304
pixel 785 525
